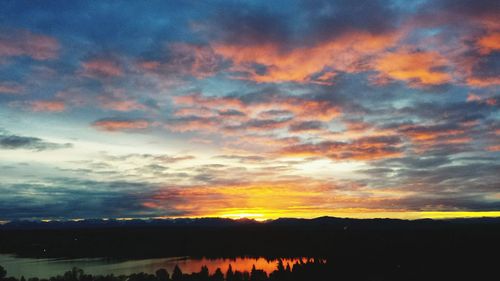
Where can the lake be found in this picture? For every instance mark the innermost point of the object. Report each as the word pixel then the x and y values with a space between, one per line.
pixel 43 268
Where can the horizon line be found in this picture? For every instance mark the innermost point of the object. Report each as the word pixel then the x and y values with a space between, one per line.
pixel 433 215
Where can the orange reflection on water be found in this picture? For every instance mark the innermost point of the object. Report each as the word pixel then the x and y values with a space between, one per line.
pixel 238 264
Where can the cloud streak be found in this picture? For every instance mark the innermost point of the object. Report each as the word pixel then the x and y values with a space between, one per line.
pixel 9 141
pixel 117 124
pixel 17 43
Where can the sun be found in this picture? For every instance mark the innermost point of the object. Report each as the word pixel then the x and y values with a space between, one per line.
pixel 238 216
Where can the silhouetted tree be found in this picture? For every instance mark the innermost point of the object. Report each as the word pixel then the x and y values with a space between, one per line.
pixel 75 274
pixel 203 274
pixel 162 275
pixel 279 273
pixel 281 268
pixel 258 275
pixel 141 277
pixel 237 276
pixel 230 274
pixel 3 272
pixel 218 275
pixel 177 274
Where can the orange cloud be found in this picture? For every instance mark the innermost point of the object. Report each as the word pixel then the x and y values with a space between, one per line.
pixel 149 65
pixel 192 124
pixel 48 106
pixel 307 64
pixel 475 98
pixel 10 88
pixel 427 137
pixel 357 126
pixel 310 109
pixel 489 43
pixel 417 68
pixel 113 125
pixel 24 43
pixel 483 81
pixel 301 107
pixel 99 68
pixel 231 116
pixel 122 105
pixel 493 148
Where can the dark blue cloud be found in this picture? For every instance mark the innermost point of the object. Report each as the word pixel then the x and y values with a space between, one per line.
pixel 9 141
pixel 65 198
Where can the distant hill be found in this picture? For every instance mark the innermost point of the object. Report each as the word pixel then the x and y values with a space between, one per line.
pixel 225 222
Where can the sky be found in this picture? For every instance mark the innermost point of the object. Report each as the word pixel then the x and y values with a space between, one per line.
pixel 254 109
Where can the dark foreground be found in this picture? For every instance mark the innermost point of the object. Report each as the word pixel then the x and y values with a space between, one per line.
pixel 353 249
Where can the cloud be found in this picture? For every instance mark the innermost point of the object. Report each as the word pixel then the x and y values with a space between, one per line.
pixel 47 106
pixel 199 100
pixel 11 88
pixel 64 198
pixel 40 105
pixel 492 101
pixel 305 107
pixel 262 143
pixel 493 148
pixel 117 124
pixel 259 125
pixel 192 123
pixel 267 63
pixel 453 13
pixel 366 148
pixel 269 45
pixel 183 59
pixel 437 175
pixel 417 68
pixel 8 141
pixel 483 71
pixel 433 132
pixel 489 43
pixel 244 158
pixel 101 68
pixel 16 43
pixel 109 98
pixel 467 32
pixel 118 100
pixel 307 126
pixel 483 82
pixel 122 105
pixel 247 114
pixel 163 159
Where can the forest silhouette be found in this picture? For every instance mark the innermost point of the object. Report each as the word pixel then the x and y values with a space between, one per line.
pixel 343 249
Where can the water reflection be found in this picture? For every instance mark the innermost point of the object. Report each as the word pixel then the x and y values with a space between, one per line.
pixel 44 268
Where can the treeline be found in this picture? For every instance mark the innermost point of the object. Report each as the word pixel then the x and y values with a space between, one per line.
pixel 306 271
pixel 327 238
